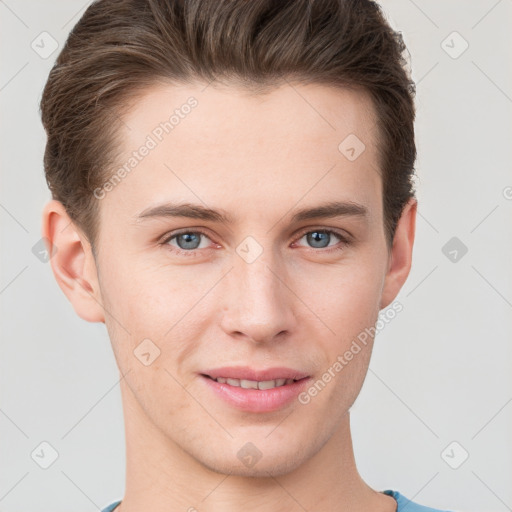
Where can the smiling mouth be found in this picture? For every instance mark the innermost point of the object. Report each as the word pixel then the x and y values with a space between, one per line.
pixel 253 384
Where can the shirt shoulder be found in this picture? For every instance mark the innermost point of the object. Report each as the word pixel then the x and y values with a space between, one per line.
pixel 402 503
pixel 111 507
pixel 406 505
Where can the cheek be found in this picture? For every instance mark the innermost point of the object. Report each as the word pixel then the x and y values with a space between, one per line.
pixel 344 298
pixel 148 296
pixel 157 310
pixel 152 340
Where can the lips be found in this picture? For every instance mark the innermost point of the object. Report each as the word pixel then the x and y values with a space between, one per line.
pixel 254 384
pixel 251 374
pixel 256 391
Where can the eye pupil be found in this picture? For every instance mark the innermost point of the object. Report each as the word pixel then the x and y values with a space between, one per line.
pixel 316 237
pixel 190 240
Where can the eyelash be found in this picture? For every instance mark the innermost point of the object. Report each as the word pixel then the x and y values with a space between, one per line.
pixel 193 252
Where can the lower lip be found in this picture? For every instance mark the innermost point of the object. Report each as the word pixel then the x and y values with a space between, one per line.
pixel 257 400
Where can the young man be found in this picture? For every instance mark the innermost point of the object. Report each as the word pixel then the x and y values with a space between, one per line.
pixel 232 197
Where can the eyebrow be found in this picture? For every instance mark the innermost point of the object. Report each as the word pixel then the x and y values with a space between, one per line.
pixel 195 211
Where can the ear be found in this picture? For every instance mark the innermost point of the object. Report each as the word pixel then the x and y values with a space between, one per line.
pixel 400 256
pixel 72 262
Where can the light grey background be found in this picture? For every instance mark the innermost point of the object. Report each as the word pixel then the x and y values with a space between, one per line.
pixel 440 371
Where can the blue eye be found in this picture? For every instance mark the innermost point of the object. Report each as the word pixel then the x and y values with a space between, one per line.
pixel 190 240
pixel 319 238
pixel 188 243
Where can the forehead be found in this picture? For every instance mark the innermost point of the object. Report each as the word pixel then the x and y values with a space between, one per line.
pixel 219 144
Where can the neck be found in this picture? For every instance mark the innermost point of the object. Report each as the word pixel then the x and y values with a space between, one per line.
pixel 160 476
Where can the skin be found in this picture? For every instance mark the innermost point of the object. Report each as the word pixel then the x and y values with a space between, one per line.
pixel 300 305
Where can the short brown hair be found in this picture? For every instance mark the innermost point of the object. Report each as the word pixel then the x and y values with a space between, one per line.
pixel 120 47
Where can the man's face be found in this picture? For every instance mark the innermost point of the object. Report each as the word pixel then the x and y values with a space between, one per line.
pixel 262 291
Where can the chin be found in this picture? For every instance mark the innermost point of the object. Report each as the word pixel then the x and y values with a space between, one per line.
pixel 269 462
pixel 262 469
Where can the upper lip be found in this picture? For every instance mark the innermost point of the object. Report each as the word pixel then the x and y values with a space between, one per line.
pixel 247 373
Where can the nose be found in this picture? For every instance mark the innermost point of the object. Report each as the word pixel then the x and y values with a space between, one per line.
pixel 258 304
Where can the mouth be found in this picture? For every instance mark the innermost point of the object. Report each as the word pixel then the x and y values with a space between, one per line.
pixel 253 384
pixel 256 391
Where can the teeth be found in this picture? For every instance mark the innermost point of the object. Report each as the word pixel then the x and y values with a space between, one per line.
pixel 248 384
pixel 267 384
pixel 254 384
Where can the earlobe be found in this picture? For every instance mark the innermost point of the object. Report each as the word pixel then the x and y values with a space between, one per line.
pixel 72 262
pixel 400 259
